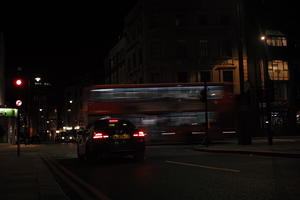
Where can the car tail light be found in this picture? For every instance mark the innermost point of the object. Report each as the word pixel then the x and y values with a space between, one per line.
pixel 139 134
pixel 100 135
pixel 113 121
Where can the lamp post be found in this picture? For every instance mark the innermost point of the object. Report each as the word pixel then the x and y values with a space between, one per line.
pixel 267 90
pixel 243 123
pixel 204 95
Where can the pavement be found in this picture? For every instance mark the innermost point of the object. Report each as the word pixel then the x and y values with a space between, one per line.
pixel 282 147
pixel 28 177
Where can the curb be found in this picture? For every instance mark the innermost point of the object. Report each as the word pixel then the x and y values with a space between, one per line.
pixel 261 153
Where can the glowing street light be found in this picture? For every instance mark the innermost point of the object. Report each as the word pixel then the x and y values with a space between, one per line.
pixel 37 79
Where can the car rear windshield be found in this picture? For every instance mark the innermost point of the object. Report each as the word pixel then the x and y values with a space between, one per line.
pixel 113 125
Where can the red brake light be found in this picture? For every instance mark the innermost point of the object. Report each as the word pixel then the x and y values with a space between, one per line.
pixel 139 134
pixel 113 121
pixel 99 135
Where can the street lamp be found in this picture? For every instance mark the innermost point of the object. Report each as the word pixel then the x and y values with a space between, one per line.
pixel 37 79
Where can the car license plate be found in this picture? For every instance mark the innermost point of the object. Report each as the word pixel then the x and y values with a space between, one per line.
pixel 121 137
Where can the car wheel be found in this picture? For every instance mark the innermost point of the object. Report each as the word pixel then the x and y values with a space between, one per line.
pixel 139 156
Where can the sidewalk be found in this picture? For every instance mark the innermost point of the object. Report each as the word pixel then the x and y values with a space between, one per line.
pixel 282 147
pixel 26 177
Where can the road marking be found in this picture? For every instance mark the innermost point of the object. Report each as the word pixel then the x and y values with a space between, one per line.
pixel 82 188
pixel 204 166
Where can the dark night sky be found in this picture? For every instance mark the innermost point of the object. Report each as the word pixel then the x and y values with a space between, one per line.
pixel 65 41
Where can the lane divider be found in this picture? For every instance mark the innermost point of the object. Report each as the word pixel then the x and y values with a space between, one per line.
pixel 82 188
pixel 204 166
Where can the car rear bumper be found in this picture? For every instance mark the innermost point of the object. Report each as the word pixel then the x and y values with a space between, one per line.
pixel 118 148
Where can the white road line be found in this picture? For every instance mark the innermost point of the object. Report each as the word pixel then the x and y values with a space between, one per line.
pixel 204 166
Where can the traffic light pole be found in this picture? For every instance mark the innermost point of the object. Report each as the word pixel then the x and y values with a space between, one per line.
pixel 18 133
pixel 18 82
pixel 243 123
pixel 267 90
pixel 206 113
pixel 204 99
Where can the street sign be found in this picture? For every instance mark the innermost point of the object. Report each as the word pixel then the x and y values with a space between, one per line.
pixel 8 112
pixel 18 103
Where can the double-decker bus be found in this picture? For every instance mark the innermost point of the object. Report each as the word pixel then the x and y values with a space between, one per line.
pixel 167 112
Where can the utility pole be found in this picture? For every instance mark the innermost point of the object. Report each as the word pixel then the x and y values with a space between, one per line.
pixel 19 83
pixel 206 112
pixel 18 132
pixel 204 99
pixel 244 134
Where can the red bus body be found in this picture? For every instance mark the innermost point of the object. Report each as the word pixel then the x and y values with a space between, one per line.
pixel 167 112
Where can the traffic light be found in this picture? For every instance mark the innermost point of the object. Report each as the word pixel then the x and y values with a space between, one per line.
pixel 18 82
pixel 19 91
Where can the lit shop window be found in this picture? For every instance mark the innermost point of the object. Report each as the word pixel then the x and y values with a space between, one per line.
pixel 278 70
pixel 277 41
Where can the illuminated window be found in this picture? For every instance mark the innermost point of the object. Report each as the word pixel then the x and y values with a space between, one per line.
pixel 278 70
pixel 277 41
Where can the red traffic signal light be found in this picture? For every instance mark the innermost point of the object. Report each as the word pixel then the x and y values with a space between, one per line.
pixel 19 82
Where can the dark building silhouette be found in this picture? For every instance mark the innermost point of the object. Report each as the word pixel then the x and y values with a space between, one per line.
pixel 177 41
pixel 273 60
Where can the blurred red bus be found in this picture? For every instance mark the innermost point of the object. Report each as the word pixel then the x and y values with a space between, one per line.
pixel 167 112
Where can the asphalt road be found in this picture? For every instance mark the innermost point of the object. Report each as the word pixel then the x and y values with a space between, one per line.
pixel 179 173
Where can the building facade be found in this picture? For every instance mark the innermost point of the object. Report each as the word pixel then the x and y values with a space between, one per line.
pixel 243 42
pixel 177 42
pixel 273 60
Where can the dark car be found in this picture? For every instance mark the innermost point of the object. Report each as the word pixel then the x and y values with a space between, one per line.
pixel 108 137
